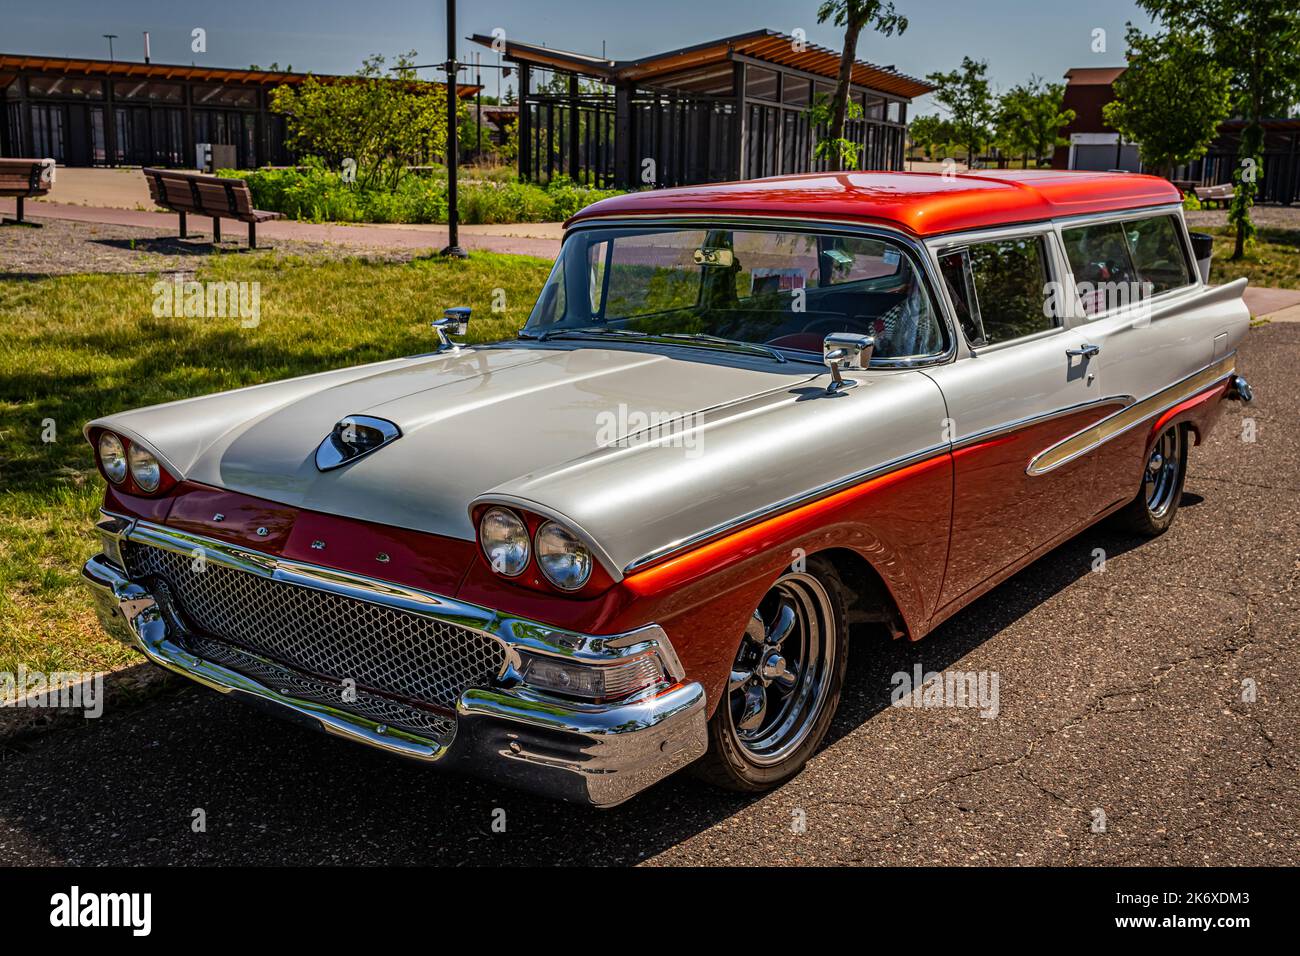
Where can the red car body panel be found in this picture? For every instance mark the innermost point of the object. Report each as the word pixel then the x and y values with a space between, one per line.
pixel 923 204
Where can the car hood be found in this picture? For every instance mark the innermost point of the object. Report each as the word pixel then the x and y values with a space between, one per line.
pixel 471 420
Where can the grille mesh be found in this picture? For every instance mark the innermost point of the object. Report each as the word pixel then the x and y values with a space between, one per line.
pixel 327 635
pixel 379 709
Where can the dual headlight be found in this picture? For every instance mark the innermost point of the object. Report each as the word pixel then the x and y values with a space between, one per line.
pixel 563 560
pixel 116 461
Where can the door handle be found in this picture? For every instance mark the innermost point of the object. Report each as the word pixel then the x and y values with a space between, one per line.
pixel 1086 350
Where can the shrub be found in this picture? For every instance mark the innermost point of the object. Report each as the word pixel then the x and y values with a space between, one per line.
pixel 316 194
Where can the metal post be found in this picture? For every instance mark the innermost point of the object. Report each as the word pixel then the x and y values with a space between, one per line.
pixel 453 250
pixel 478 107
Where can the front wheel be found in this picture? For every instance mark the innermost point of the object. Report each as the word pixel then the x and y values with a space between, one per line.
pixel 784 685
pixel 1152 511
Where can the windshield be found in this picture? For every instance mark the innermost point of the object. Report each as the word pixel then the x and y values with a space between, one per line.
pixel 776 289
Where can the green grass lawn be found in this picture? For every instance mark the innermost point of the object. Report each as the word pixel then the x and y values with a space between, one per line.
pixel 1274 259
pixel 77 347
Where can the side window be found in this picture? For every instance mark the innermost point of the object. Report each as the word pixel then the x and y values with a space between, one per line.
pixel 1000 289
pixel 1158 253
pixel 1115 263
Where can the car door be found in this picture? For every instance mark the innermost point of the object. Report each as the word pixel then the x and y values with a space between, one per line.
pixel 1024 381
pixel 1137 284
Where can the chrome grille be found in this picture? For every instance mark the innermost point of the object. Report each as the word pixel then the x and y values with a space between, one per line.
pixel 330 693
pixel 326 635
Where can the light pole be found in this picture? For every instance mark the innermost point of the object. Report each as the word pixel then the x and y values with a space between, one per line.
pixel 110 37
pixel 453 250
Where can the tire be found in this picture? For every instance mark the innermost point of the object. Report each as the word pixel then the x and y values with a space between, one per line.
pixel 1152 511
pixel 803 622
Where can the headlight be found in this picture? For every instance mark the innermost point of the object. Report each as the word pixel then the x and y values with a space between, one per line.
pixel 504 540
pixel 564 559
pixel 112 456
pixel 145 468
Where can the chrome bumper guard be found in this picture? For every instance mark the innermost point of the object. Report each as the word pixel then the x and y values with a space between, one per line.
pixel 597 754
pixel 1239 390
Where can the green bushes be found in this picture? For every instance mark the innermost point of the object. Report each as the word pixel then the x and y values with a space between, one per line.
pixel 316 194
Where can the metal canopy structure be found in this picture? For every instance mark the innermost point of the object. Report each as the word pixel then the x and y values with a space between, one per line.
pixel 88 112
pixel 734 108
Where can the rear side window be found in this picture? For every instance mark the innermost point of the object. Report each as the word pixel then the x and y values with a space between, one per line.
pixel 1116 263
pixel 1158 253
pixel 1000 289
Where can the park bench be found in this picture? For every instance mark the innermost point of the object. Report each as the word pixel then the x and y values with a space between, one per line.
pixel 1214 194
pixel 211 196
pixel 22 179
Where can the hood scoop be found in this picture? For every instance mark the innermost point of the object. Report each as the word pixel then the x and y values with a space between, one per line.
pixel 354 437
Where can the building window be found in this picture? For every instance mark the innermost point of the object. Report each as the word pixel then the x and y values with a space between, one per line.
pixel 66 87
pixel 239 96
pixel 760 84
pixel 141 90
pixel 795 91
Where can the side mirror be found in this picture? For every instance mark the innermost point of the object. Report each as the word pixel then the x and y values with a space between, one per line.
pixel 843 350
pixel 454 321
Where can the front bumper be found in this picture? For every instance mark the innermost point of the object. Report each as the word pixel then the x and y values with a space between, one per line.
pixel 597 754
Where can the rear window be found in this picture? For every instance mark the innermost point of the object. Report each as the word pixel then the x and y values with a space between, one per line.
pixel 1115 263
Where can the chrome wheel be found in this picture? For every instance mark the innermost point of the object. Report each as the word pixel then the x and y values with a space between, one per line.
pixel 1160 482
pixel 782 671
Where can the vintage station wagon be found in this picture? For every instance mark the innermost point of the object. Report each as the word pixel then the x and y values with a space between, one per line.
pixel 739 419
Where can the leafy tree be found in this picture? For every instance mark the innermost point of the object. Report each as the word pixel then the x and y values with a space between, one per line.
pixel 853 16
pixel 1259 44
pixel 1030 116
pixel 839 152
pixel 1170 68
pixel 384 122
pixel 928 131
pixel 966 95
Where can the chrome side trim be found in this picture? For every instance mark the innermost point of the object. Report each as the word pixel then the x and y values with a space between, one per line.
pixel 786 504
pixel 1112 426
pixel 1016 424
pixel 515 633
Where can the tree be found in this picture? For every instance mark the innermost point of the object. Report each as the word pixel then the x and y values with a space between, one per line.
pixel 965 94
pixel 382 122
pixel 1168 68
pixel 1259 44
pixel 1030 116
pixel 839 152
pixel 928 131
pixel 853 16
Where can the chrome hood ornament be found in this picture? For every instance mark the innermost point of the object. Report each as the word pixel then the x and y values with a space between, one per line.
pixel 352 438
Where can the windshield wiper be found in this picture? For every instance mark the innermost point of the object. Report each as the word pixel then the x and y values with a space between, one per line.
pixel 719 342
pixel 582 333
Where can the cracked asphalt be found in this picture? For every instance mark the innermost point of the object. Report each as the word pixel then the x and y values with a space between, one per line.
pixel 1121 695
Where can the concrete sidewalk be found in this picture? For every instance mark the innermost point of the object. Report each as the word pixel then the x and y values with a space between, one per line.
pixel 1276 305
pixel 527 239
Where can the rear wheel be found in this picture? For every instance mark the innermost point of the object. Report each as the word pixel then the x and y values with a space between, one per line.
pixel 1152 511
pixel 784 685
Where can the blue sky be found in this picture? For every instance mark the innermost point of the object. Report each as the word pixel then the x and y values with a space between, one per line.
pixel 1017 38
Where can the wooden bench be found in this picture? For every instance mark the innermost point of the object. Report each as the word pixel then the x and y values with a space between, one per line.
pixel 22 179
pixel 211 196
pixel 1214 194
